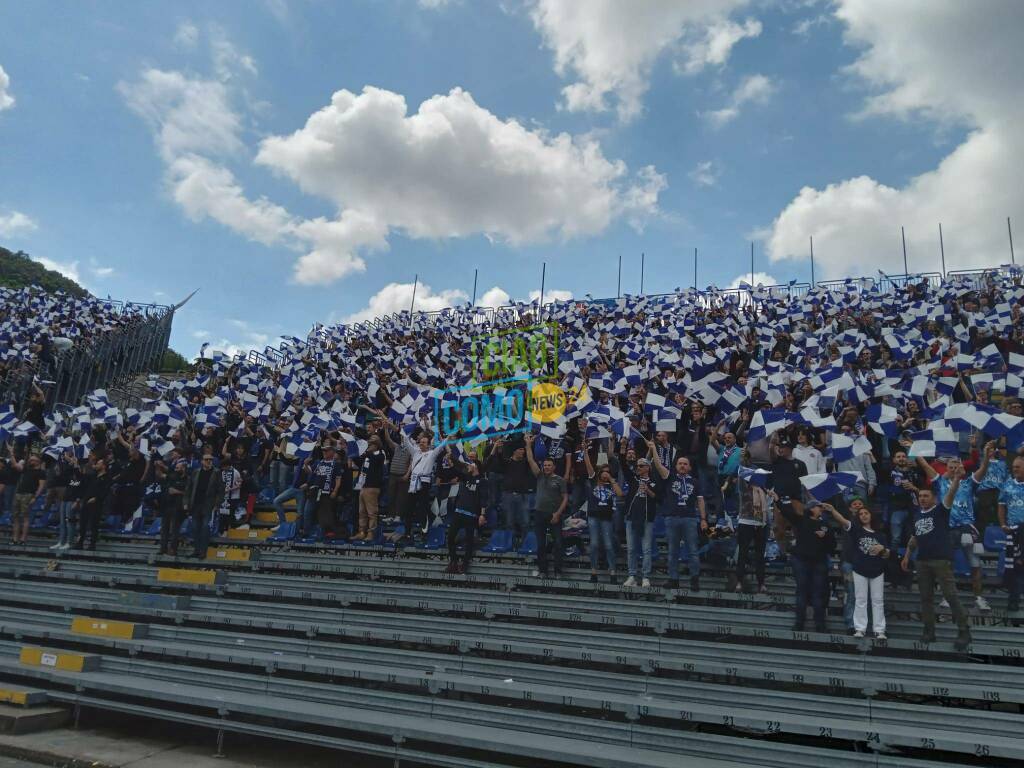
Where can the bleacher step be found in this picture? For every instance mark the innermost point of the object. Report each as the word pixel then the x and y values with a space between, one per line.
pixel 17 720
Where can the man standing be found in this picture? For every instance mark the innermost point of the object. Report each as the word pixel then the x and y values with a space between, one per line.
pixel 202 498
pixel 31 482
pixel 325 484
pixel 785 481
pixel 1011 520
pixel 550 504
pixel 369 483
pixel 173 484
pixel 934 548
pixel 95 502
pixel 685 518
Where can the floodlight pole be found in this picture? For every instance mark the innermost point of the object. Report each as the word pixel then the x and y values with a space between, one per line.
pixel 903 236
pixel 942 251
pixel 475 271
pixel 1009 231
pixel 695 269
pixel 415 282
pixel 812 261
pixel 641 273
pixel 540 304
pixel 618 285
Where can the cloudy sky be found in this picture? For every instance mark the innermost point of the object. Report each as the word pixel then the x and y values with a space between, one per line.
pixel 301 160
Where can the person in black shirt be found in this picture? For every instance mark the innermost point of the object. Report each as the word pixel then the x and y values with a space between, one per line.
pixel 70 508
pixel 935 559
pixel 642 500
pixel 30 486
pixel 868 557
pixel 468 515
pixel 906 480
pixel 202 496
pixel 809 560
pixel 785 481
pixel 600 511
pixel 173 483
pixel 92 508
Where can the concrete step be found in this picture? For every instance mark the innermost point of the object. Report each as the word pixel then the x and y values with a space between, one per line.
pixel 17 720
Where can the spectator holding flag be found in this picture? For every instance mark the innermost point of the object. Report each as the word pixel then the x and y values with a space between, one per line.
pixel 30 486
pixel 809 560
pixel 600 511
pixel 755 509
pixel 369 484
pixel 645 491
pixel 1011 519
pixel 468 515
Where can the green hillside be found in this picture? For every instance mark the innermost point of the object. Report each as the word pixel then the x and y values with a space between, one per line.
pixel 17 270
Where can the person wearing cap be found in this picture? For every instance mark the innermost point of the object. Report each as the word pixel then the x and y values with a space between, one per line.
pixel 325 486
pixel 809 560
pixel 785 481
pixel 173 483
pixel 202 498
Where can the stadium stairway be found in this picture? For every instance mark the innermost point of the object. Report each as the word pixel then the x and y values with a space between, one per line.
pixel 494 667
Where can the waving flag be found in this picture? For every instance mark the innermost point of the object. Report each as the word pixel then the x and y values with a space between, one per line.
pixel 930 443
pixel 829 484
pixel 765 422
pixel 758 477
pixel 845 448
pixel 882 419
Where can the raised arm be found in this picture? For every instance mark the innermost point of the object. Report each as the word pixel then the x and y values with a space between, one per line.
pixel 837 516
pixel 662 469
pixel 529 454
pixel 954 485
pixel 986 457
pixel 927 469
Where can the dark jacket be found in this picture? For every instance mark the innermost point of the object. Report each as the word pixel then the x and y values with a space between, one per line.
pixel 210 500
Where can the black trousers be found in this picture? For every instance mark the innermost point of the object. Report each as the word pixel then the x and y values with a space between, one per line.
pixel 417 509
pixel 90 523
pixel 750 543
pixel 170 525
pixel 543 526
pixel 467 523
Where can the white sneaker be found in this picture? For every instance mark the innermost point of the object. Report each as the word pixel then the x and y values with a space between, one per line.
pixel 944 603
pixel 56 546
pixel 630 582
pixel 535 573
pixel 880 636
pixel 859 633
pixel 64 547
pixel 646 584
pixel 982 603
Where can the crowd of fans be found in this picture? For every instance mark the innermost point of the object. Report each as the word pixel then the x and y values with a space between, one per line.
pixel 36 326
pixel 878 429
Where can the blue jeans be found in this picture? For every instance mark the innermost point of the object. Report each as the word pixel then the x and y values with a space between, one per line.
pixel 308 516
pixel 638 533
pixel 515 512
pixel 811 584
pixel 577 498
pixel 66 530
pixel 898 527
pixel 848 605
pixel 288 493
pixel 201 532
pixel 280 476
pixel 677 529
pixel 7 501
pixel 602 535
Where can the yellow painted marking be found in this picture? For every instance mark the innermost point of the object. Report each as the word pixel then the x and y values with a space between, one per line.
pixel 249 533
pixel 186 576
pixel 11 696
pixel 228 553
pixel 40 657
pixel 82 625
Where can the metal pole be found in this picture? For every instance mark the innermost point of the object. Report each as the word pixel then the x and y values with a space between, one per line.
pixel 695 269
pixel 474 287
pixel 751 263
pixel 641 274
pixel 540 304
pixel 618 286
pixel 1009 231
pixel 812 261
pixel 415 282
pixel 903 235
pixel 942 250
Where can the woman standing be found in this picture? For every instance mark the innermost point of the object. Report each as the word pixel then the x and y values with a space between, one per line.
pixel 600 511
pixel 809 560
pixel 868 558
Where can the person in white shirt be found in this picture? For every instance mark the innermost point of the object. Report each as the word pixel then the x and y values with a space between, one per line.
pixel 421 470
pixel 808 454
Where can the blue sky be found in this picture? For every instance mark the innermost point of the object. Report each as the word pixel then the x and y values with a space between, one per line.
pixel 153 148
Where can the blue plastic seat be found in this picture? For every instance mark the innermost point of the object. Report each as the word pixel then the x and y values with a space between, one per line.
pixel 529 545
pixel 995 539
pixel 284 532
pixel 961 566
pixel 154 527
pixel 501 541
pixel 435 538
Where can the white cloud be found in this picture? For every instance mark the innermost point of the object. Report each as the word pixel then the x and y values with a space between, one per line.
pixel 395 297
pixel 756 89
pixel 16 223
pixel 98 270
pixel 227 59
pixel 612 46
pixel 67 268
pixel 552 294
pixel 946 62
pixel 494 297
pixel 452 169
pixel 704 174
pixel 6 100
pixel 433 5
pixel 187 35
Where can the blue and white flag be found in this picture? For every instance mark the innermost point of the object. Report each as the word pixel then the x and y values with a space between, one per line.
pixel 845 448
pixel 765 422
pixel 828 484
pixel 758 477
pixel 929 443
pixel 882 419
